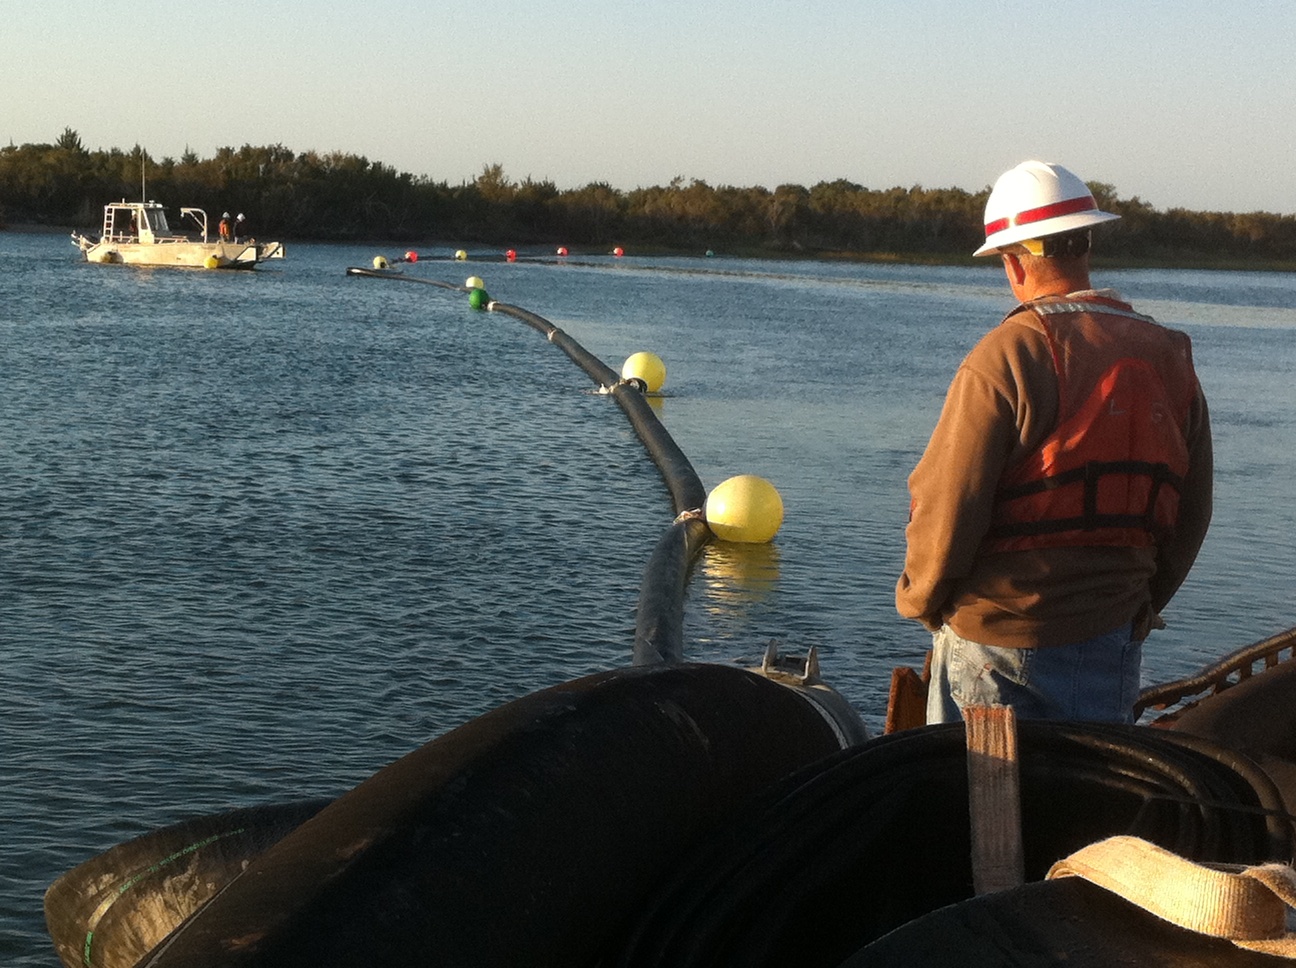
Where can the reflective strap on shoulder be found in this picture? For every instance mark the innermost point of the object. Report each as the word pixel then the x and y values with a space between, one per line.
pixel 1053 308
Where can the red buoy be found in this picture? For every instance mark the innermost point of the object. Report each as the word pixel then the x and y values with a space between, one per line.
pixel 562 250
pixel 411 256
pixel 510 255
pixel 618 252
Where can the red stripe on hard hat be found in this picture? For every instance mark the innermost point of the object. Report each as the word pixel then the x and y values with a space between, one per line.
pixel 1054 210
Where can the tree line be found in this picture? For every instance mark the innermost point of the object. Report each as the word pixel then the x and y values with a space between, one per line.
pixel 345 197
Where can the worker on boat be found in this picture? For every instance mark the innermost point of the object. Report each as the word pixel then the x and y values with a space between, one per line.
pixel 226 227
pixel 240 228
pixel 1066 488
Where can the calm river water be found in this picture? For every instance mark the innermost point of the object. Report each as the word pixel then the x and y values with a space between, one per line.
pixel 263 533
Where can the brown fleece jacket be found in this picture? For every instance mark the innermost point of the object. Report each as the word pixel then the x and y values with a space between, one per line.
pixel 1002 402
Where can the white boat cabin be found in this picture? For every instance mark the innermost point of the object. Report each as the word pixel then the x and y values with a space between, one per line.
pixel 145 223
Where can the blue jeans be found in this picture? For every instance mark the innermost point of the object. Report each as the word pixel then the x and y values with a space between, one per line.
pixel 1095 680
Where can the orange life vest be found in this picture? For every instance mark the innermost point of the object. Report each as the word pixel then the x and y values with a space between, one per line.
pixel 1112 470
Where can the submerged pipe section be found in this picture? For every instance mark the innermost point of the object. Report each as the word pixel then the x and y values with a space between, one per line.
pixel 659 619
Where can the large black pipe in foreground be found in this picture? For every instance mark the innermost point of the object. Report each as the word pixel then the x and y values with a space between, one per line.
pixel 111 911
pixel 863 842
pixel 524 837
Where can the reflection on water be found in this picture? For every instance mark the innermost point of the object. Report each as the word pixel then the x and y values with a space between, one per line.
pixel 738 575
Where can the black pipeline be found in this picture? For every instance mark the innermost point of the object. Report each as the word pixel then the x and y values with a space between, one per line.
pixel 659 623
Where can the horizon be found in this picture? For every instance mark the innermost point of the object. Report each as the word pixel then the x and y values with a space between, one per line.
pixel 1190 110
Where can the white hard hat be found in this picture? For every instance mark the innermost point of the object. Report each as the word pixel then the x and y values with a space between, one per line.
pixel 1036 199
pixel 240 216
pixel 224 214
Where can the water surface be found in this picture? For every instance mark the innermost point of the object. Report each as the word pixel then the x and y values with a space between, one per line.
pixel 263 533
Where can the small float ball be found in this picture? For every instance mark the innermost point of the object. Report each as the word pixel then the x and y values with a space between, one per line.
pixel 475 282
pixel 510 255
pixel 618 252
pixel 461 255
pixel 411 256
pixel 478 299
pixel 647 367
pixel 380 262
pixel 211 262
pixel 745 508
pixel 710 253
pixel 562 250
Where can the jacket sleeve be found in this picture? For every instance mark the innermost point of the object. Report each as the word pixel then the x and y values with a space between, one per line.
pixel 951 491
pixel 1176 556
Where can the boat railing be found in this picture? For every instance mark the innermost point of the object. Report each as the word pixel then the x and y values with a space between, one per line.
pixel 199 216
pixel 1223 674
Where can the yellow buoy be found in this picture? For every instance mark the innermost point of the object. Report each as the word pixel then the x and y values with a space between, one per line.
pixel 647 367
pixel 474 282
pixel 211 262
pixel 380 262
pixel 745 508
pixel 461 255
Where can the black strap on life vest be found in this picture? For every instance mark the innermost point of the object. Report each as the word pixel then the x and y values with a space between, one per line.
pixel 1089 519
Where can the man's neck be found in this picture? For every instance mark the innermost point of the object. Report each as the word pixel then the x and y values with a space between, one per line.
pixel 1034 277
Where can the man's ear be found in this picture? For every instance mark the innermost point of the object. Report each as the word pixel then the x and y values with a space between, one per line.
pixel 1014 268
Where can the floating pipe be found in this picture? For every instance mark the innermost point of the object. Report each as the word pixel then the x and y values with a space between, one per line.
pixel 398 276
pixel 659 618
pixel 594 368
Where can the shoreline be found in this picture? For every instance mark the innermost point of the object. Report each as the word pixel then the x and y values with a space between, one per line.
pixel 1187 262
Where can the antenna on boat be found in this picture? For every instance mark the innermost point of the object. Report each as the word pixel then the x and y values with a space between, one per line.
pixel 143 176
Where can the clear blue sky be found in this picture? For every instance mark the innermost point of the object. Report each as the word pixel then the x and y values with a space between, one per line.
pixel 1184 103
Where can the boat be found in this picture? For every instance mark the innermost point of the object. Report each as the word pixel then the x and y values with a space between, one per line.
pixel 138 234
pixel 671 813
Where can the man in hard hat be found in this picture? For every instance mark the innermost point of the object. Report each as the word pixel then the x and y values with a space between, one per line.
pixel 1066 488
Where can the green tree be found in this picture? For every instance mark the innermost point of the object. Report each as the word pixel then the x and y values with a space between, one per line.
pixel 337 195
pixel 69 140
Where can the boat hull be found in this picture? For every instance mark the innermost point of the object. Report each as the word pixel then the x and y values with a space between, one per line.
pixel 194 255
